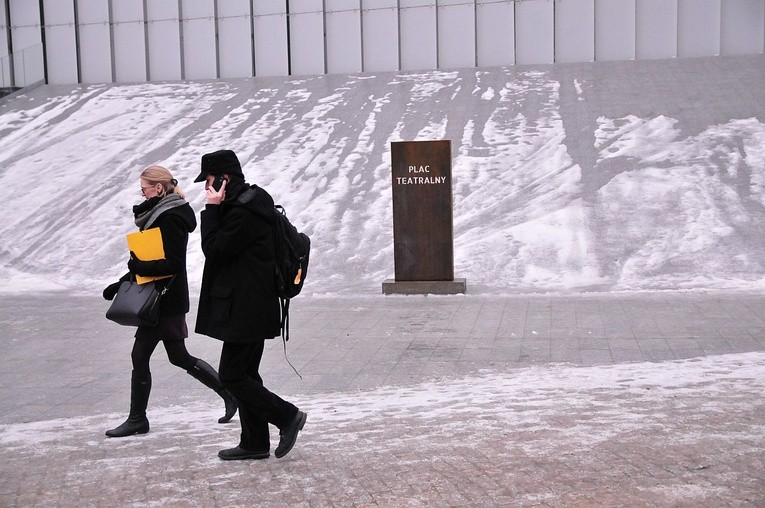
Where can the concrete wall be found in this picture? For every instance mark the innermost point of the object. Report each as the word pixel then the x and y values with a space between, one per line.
pixel 91 41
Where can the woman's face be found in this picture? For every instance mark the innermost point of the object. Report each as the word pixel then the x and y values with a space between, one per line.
pixel 148 190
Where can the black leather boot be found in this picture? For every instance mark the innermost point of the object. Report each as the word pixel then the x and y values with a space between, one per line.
pixel 204 372
pixel 136 423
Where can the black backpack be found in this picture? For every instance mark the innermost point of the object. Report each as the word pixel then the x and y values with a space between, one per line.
pixel 292 253
pixel 292 250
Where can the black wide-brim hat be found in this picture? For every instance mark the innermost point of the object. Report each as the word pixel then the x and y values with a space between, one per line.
pixel 218 163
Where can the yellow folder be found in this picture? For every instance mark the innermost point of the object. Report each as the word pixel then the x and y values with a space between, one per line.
pixel 147 246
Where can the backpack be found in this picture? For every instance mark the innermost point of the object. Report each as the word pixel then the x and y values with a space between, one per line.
pixel 292 254
pixel 292 250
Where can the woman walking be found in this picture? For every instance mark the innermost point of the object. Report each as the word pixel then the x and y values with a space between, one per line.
pixel 165 208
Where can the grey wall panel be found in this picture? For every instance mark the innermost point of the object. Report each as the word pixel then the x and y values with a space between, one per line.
pixel 615 30
pixel 3 32
pixel 307 37
pixel 655 29
pixel 27 42
pixel 534 32
pixel 234 39
pixel 60 41
pixel 270 38
pixel 25 23
pixel 129 38
pixel 147 39
pixel 379 28
pixel 343 28
pixel 495 43
pixel 574 30
pixel 742 27
pixel 456 34
pixel 95 41
pixel 698 28
pixel 198 39
pixel 417 35
pixel 5 67
pixel 164 40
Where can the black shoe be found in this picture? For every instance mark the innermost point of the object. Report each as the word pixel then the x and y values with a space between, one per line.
pixel 289 435
pixel 231 407
pixel 203 372
pixel 133 425
pixel 242 454
pixel 136 423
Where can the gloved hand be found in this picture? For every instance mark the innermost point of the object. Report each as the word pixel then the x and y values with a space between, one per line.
pixel 133 263
pixel 111 290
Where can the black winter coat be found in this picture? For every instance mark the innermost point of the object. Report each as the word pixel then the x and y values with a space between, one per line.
pixel 175 225
pixel 238 300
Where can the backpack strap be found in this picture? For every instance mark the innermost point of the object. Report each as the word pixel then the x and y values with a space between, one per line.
pixel 258 201
pixel 285 322
pixel 266 209
pixel 285 326
pixel 245 195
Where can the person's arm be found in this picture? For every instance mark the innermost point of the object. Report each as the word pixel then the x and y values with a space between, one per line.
pixel 174 240
pixel 226 239
pixel 111 290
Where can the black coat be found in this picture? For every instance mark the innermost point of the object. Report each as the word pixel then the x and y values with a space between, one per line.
pixel 175 225
pixel 238 300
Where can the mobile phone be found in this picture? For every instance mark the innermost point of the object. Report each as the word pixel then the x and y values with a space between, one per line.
pixel 218 183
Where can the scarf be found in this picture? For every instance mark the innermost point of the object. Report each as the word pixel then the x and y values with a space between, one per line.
pixel 234 187
pixel 148 211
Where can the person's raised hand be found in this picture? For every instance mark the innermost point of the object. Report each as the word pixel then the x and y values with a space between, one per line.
pixel 215 197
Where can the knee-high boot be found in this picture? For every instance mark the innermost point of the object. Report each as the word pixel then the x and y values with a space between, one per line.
pixel 136 423
pixel 203 371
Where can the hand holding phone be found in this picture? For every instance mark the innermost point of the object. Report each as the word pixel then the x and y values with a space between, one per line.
pixel 216 192
pixel 218 183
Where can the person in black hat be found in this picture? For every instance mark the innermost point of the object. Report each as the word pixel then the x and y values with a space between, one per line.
pixel 222 162
pixel 238 302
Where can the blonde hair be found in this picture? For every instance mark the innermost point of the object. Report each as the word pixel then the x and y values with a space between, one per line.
pixel 158 174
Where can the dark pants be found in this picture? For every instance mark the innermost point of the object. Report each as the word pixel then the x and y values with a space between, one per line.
pixel 238 371
pixel 171 331
pixel 176 353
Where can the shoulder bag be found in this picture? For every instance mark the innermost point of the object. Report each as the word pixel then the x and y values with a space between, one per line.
pixel 137 304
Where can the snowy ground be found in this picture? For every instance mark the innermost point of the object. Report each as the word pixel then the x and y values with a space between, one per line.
pixel 686 433
pixel 608 177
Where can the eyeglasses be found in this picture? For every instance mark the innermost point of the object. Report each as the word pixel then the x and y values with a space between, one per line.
pixel 143 189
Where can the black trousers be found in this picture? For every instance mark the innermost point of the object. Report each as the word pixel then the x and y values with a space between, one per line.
pixel 238 371
pixel 176 353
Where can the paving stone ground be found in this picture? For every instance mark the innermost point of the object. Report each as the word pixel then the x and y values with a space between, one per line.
pixel 592 400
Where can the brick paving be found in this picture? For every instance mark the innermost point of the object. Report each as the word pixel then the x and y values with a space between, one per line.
pixel 599 400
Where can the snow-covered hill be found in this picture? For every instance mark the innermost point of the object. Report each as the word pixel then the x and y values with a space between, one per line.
pixel 608 177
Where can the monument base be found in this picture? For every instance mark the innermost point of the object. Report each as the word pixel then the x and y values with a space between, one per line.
pixel 424 287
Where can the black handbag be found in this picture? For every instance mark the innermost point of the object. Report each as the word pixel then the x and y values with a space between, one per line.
pixel 136 304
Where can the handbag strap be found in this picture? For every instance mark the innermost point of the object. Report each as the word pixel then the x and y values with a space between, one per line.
pixel 164 289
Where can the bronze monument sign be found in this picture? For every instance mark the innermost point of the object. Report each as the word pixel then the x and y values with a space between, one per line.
pixel 423 245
